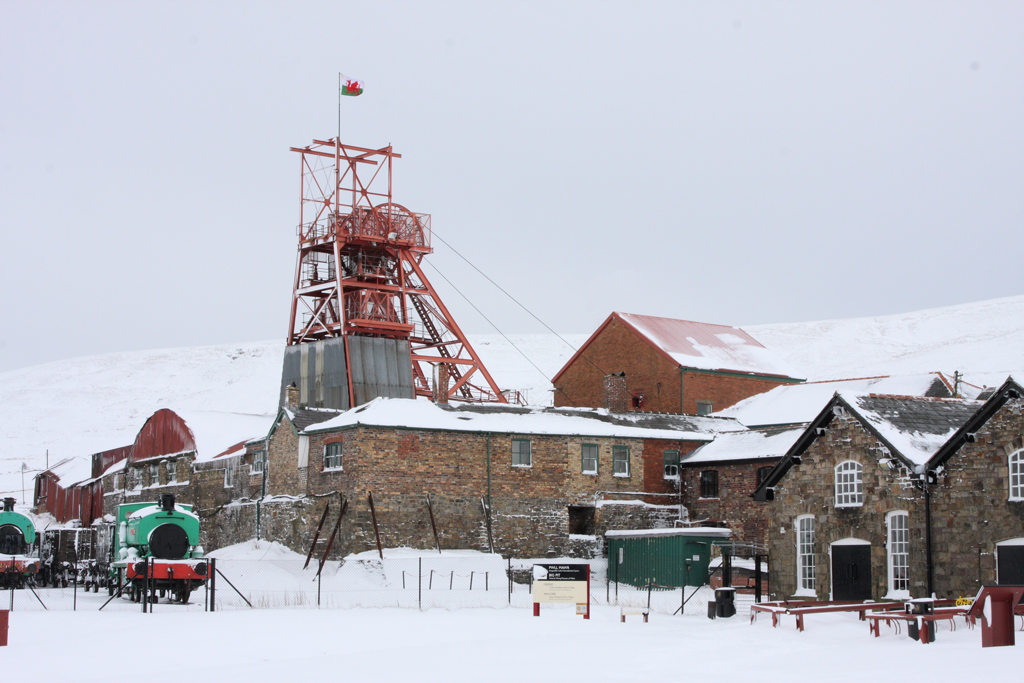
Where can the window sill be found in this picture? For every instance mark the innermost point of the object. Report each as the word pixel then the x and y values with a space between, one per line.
pixel 805 593
pixel 522 467
pixel 621 476
pixel 328 470
pixel 1015 500
pixel 589 474
pixel 897 595
pixel 849 505
pixel 708 499
pixel 671 477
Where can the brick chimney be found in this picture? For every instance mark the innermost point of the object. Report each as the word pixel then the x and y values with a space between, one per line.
pixel 291 396
pixel 442 383
pixel 616 398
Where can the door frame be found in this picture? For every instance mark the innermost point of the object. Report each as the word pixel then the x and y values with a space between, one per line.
pixel 831 565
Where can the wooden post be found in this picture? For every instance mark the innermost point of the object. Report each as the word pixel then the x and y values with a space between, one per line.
pixel 430 509
pixel 316 536
pixel 376 530
pixel 330 541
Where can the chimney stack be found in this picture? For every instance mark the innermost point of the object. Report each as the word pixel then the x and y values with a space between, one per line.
pixel 291 396
pixel 442 383
pixel 616 398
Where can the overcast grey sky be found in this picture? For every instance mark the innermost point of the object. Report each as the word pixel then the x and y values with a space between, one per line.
pixel 735 163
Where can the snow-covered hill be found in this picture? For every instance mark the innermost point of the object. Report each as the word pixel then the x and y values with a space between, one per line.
pixel 83 405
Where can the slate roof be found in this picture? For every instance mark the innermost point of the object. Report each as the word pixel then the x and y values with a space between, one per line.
pixel 689 423
pixel 755 444
pixel 301 418
pixel 915 427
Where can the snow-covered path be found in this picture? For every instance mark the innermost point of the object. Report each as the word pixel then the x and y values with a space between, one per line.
pixel 476 645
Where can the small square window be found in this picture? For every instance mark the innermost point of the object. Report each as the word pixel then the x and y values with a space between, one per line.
pixel 172 472
pixel 620 461
pixel 671 464
pixel 709 484
pixel 154 474
pixel 332 456
pixel 521 455
pixel 589 459
pixel 705 407
pixel 229 477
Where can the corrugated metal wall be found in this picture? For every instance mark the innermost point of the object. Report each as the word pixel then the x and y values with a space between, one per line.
pixel 664 560
pixel 380 367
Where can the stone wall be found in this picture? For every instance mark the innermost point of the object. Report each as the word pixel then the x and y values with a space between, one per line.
pixel 734 506
pixel 970 507
pixel 970 510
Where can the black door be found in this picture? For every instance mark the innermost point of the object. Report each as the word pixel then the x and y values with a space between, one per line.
pixel 1011 565
pixel 851 572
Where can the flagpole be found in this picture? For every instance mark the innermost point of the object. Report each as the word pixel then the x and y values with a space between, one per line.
pixel 337 157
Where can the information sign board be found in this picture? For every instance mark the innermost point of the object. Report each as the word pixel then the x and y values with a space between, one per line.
pixel 562 583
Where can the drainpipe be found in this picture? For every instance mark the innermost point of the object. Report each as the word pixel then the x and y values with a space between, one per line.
pixel 928 534
pixel 682 391
pixel 488 474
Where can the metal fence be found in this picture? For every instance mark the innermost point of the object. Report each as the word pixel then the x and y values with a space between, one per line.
pixel 426 582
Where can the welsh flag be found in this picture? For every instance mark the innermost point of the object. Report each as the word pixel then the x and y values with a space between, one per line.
pixel 351 86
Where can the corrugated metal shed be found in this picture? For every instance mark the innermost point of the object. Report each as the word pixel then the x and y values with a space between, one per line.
pixel 380 367
pixel 668 558
pixel 165 433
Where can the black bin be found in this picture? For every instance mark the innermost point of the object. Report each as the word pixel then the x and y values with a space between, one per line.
pixel 725 601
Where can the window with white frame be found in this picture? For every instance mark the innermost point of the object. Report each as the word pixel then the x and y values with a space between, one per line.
pixel 849 484
pixel 620 461
pixel 172 472
pixel 332 456
pixel 1017 475
pixel 588 458
pixel 229 477
pixel 671 460
pixel 522 456
pixel 805 557
pixel 154 474
pixel 259 461
pixel 898 548
pixel 117 480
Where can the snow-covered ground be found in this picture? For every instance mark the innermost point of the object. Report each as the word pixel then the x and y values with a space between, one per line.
pixel 480 644
pixel 80 406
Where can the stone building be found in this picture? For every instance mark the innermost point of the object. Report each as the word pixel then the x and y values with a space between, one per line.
pixel 639 362
pixel 886 496
pixel 520 481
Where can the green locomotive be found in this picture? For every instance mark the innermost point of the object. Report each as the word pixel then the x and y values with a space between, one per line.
pixel 157 546
pixel 17 541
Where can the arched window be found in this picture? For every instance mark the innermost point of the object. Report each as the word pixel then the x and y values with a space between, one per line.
pixel 849 484
pixel 805 558
pixel 898 550
pixel 1017 475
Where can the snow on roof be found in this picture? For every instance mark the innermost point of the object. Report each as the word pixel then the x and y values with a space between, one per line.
pixel 71 471
pixel 216 432
pixel 686 531
pixel 756 443
pixel 916 427
pixel 798 403
pixel 707 346
pixel 503 419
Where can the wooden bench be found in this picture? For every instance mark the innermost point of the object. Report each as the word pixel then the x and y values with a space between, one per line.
pixel 633 610
pixel 800 608
pixel 893 619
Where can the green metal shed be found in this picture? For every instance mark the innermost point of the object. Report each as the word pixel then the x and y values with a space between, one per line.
pixel 665 557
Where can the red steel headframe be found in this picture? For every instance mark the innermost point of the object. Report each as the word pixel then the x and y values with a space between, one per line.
pixel 357 270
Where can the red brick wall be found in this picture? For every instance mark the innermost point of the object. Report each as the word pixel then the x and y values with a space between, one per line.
pixel 654 468
pixel 747 518
pixel 617 348
pixel 721 390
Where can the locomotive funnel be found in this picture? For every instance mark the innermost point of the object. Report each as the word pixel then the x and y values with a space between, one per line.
pixel 167 502
pixel 8 505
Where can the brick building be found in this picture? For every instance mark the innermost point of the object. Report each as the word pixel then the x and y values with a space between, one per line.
pixel 639 362
pixel 896 496
pixel 523 481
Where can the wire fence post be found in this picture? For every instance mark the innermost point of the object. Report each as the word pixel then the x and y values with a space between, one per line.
pixel 419 585
pixel 213 584
pixel 74 593
pixel 510 580
pixel 319 579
